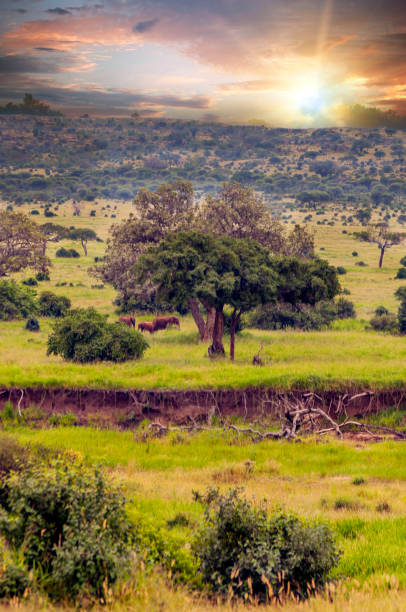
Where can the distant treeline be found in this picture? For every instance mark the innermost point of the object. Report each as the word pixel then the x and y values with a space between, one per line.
pixel 29 106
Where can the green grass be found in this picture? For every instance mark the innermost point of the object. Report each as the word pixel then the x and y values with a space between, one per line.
pixel 334 359
pixel 311 479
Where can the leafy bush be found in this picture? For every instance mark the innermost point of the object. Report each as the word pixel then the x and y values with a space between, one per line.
pixel 16 301
pixel 381 310
pixel 300 316
pixel 250 555
pixel 32 324
pixel 355 253
pixel 85 335
pixel 30 282
pixel 385 322
pixel 71 525
pixel 345 309
pixel 42 276
pixel 403 261
pixel 401 273
pixel 13 581
pixel 341 270
pixel 361 264
pixel 62 252
pixel 52 305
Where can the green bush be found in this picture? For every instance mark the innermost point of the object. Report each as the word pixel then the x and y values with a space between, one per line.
pixel 401 273
pixel 70 526
pixel 341 270
pixel 62 252
pixel 16 301
pixel 381 310
pixel 14 581
pixel 247 554
pixel 30 282
pixel 84 335
pixel 345 309
pixel 42 276
pixel 52 305
pixel 403 261
pixel 386 322
pixel 300 316
pixel 32 324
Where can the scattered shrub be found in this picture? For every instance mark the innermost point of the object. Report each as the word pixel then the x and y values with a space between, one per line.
pixel 62 252
pixel 42 276
pixel 245 553
pixel 403 261
pixel 355 253
pixel 345 309
pixel 341 270
pixel 342 503
pixel 52 305
pixel 358 480
pixel 361 264
pixel 32 324
pixel 68 522
pixel 16 301
pixel 381 310
pixel 384 322
pixel 30 282
pixel 84 335
pixel 401 273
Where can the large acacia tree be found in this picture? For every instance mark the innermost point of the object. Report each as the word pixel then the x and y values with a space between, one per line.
pixel 21 244
pixel 218 271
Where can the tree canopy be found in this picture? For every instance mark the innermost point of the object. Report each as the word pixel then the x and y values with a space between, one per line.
pixel 218 271
pixel 21 244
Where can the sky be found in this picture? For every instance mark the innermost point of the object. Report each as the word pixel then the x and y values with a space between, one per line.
pixel 288 63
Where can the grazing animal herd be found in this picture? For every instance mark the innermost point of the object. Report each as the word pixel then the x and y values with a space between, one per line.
pixel 151 326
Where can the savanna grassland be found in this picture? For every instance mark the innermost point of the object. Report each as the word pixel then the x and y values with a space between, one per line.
pixel 345 355
pixel 357 487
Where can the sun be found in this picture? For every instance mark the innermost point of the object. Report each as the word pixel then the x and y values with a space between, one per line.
pixel 306 95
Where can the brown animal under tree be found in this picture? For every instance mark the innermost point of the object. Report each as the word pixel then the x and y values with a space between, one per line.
pixel 146 326
pixel 129 321
pixel 163 322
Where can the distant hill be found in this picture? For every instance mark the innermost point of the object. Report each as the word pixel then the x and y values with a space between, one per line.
pixel 29 106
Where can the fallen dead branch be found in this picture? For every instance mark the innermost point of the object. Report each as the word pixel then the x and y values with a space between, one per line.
pixel 304 417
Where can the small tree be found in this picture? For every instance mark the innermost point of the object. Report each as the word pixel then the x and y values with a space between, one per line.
pixel 53 233
pixel 84 235
pixel 21 244
pixel 380 234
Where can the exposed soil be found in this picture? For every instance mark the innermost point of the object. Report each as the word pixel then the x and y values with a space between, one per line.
pixel 128 408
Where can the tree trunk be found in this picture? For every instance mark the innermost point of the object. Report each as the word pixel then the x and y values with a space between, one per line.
pixel 194 309
pixel 209 326
pixel 217 348
pixel 234 322
pixel 84 243
pixel 44 247
pixel 381 256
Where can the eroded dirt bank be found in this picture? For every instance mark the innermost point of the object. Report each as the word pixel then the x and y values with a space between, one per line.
pixel 129 407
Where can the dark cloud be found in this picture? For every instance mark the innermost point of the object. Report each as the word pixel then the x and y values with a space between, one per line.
pixel 20 64
pixel 144 26
pixel 58 11
pixel 48 49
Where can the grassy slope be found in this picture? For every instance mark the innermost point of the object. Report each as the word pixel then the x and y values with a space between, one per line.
pixel 310 479
pixel 347 355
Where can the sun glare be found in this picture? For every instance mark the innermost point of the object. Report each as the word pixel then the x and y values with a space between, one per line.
pixel 307 96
